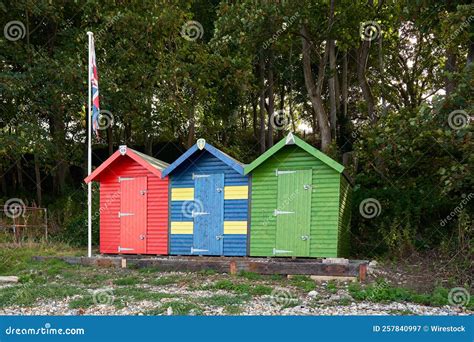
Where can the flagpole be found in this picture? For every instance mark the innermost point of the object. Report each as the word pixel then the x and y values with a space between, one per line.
pixel 89 153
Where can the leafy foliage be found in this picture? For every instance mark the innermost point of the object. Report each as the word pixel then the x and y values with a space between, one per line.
pixel 164 91
pixel 381 291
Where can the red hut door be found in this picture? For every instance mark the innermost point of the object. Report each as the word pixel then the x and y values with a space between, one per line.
pixel 132 215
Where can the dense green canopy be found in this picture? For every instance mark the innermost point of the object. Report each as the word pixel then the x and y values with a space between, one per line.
pixel 385 88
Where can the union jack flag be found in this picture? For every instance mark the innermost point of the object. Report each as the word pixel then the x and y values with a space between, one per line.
pixel 95 91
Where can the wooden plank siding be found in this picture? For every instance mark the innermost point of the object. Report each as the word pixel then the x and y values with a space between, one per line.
pixel 109 220
pixel 157 209
pixel 345 213
pixel 324 210
pixel 235 203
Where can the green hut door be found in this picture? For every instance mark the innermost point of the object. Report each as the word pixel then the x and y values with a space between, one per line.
pixel 293 213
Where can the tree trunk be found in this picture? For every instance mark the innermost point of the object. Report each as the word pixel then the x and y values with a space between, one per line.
pixel 127 131
pixel 313 120
pixel 337 90
pixel 62 170
pixel 364 84
pixel 331 45
pixel 192 128
pixel 58 132
pixel 110 140
pixel 262 103
pixel 346 159
pixel 470 54
pixel 243 117
pixel 282 111
pixel 344 86
pixel 332 87
pixel 381 68
pixel 254 116
pixel 14 181
pixel 148 145
pixel 290 108
pixel 271 100
pixel 314 90
pixel 39 196
pixel 344 118
pixel 289 92
pixel 449 68
pixel 3 177
pixel 362 59
pixel 19 172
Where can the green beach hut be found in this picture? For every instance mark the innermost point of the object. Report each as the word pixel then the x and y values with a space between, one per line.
pixel 300 202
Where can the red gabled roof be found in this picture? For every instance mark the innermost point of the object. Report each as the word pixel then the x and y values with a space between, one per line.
pixel 153 165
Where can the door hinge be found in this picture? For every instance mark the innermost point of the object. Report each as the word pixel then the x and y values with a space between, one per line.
pixel 121 179
pixel 277 212
pixel 198 213
pixel 143 192
pixel 196 250
pixel 219 237
pixel 199 176
pixel 304 237
pixel 125 214
pixel 307 186
pixel 283 172
pixel 120 249
pixel 280 251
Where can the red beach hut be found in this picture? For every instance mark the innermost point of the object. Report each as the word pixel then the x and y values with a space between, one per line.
pixel 133 203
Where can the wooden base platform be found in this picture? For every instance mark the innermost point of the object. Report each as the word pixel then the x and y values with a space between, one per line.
pixel 233 265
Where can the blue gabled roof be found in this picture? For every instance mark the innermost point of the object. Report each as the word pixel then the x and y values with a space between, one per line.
pixel 225 158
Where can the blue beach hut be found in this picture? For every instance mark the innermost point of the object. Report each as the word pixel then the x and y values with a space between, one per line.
pixel 208 203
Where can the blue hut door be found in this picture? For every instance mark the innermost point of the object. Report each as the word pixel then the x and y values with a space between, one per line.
pixel 208 214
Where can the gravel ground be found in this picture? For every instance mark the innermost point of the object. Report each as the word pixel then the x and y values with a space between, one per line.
pixel 129 292
pixel 256 307
pixel 259 305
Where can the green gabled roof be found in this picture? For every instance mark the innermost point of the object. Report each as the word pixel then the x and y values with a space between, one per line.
pixel 294 140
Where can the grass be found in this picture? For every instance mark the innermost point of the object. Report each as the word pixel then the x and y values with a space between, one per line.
pixel 167 280
pixel 93 280
pixel 56 280
pixel 260 290
pixel 119 297
pixel 225 300
pixel 29 293
pixel 82 302
pixel 242 288
pixel 14 260
pixel 148 270
pixel 382 291
pixel 233 310
pixel 126 281
pixel 207 272
pixel 303 282
pixel 180 308
pixel 331 286
pixel 250 275
pixel 139 294
pixel 344 302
